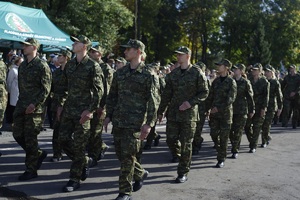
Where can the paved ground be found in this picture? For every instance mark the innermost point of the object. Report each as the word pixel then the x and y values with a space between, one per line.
pixel 270 173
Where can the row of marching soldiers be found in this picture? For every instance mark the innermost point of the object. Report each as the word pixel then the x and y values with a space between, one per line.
pixel 133 98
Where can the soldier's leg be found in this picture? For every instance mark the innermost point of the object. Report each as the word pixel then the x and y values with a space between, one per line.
pixel 186 135
pixel 80 138
pixel 265 134
pixel 152 135
pixel 127 145
pixel 223 135
pixel 198 139
pixel 295 109
pixel 285 112
pixel 257 127
pixel 29 141
pixel 57 150
pixel 214 125
pixel 172 132
pixel 248 129
pixel 237 129
pixel 95 141
pixel 66 129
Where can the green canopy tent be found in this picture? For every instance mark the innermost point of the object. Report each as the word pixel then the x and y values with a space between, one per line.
pixel 18 22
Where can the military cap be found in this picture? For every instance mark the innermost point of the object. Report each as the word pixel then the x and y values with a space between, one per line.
pixel 32 42
pixel 269 68
pixel 257 66
pixel 121 59
pixel 239 66
pixel 83 39
pixel 293 66
pixel 134 44
pixel 65 53
pixel 225 62
pixel 183 50
pixel 201 65
pixel 98 48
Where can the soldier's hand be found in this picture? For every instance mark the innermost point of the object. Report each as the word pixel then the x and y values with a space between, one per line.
pixel 85 116
pixel 292 94
pixel 100 112
pixel 160 118
pixel 250 115
pixel 30 109
pixel 58 113
pixel 279 112
pixel 105 123
pixel 214 110
pixel 262 112
pixel 184 106
pixel 145 130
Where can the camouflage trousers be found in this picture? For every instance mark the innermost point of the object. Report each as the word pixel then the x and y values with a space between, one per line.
pixel 236 132
pixel 95 143
pixel 179 139
pixel 73 137
pixel 152 135
pixel 127 145
pixel 253 128
pixel 219 132
pixel 265 135
pixel 57 149
pixel 290 106
pixel 198 139
pixel 25 131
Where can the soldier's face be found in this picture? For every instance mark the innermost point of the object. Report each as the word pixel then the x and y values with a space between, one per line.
pixel 77 47
pixel 94 54
pixel 269 74
pixel 62 59
pixel 131 53
pixel 237 72
pixel 222 68
pixel 27 49
pixel 255 72
pixel 182 58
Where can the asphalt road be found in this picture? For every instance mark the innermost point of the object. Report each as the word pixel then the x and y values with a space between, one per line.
pixel 270 173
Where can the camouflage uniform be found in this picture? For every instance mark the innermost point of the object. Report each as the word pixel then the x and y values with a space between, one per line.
pixel 153 134
pixel 3 92
pixel 34 82
pixel 221 95
pixel 83 91
pixel 261 98
pixel 290 104
pixel 96 144
pixel 132 101
pixel 242 105
pixel 183 85
pixel 275 103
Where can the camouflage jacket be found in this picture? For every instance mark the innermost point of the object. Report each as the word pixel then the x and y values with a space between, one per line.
pixel 56 89
pixel 3 92
pixel 222 94
pixel 34 80
pixel 275 96
pixel 189 85
pixel 107 80
pixel 261 90
pixel 291 84
pixel 244 102
pixel 133 97
pixel 83 88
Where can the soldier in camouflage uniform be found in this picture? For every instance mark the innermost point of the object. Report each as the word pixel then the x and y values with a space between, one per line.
pixel 261 88
pixel 63 57
pixel 153 135
pixel 96 145
pixel 186 87
pixel 132 106
pixel 291 88
pixel 3 92
pixel 243 106
pixel 222 94
pixel 198 139
pixel 82 78
pixel 274 105
pixel 34 82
